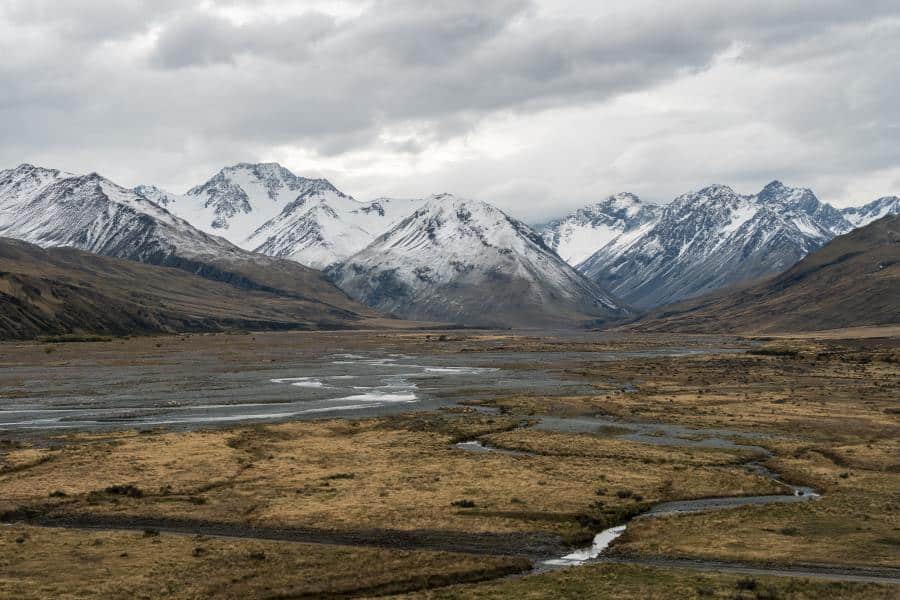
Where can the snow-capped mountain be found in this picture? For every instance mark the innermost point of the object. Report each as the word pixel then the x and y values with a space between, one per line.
pixel 715 237
pixel 267 208
pixel 859 216
pixel 320 232
pixel 236 201
pixel 616 219
pixel 50 208
pixel 467 262
pixel 155 194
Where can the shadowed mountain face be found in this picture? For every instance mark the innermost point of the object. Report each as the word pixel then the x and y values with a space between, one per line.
pixel 50 208
pixel 467 262
pixel 852 281
pixel 63 290
pixel 713 238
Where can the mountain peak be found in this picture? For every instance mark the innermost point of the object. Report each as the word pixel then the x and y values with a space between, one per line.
pixel 582 233
pixel 28 168
pixel 442 197
pixel 465 261
pixel 716 190
pixel 239 200
pixel 626 197
pixel 859 216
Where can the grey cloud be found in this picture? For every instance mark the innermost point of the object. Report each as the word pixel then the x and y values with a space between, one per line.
pixel 198 39
pixel 207 89
pixel 89 20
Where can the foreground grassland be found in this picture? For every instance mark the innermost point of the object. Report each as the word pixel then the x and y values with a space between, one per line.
pixel 395 473
pixel 628 582
pixel 363 489
pixel 38 563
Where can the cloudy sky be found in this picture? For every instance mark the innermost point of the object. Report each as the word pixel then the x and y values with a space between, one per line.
pixel 538 106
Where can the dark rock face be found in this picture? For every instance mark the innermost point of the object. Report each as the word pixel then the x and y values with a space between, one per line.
pixel 714 238
pixel 852 281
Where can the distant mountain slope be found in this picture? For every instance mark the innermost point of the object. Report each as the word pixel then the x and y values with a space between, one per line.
pixel 713 238
pixel 239 199
pixel 863 215
pixel 467 262
pixel 63 290
pixel 321 233
pixel 268 209
pixel 614 220
pixel 854 280
pixel 91 213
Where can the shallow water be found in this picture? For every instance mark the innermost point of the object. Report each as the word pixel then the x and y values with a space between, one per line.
pixel 345 385
pixel 480 447
pixel 669 435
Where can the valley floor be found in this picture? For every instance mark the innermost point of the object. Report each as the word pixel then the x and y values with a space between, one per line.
pixel 398 504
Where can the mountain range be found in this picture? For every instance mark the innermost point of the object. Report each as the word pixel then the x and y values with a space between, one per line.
pixel 852 281
pixel 260 227
pixel 265 208
pixel 51 208
pixel 701 241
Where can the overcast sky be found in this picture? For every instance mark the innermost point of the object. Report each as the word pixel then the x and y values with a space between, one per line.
pixel 538 106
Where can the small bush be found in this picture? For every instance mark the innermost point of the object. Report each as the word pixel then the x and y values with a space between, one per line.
pixel 624 494
pixel 464 503
pixel 151 533
pixel 58 494
pixel 125 490
pixel 747 583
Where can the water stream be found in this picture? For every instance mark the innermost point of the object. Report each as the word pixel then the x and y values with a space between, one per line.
pixel 667 435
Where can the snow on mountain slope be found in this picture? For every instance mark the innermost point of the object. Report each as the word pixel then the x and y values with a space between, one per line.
pixel 852 281
pixel 157 195
pixel 89 212
pixel 467 262
pixel 239 199
pixel 266 208
pixel 579 235
pixel 320 232
pixel 859 216
pixel 712 238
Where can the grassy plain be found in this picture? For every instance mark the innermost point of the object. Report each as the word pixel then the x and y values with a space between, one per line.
pixel 430 514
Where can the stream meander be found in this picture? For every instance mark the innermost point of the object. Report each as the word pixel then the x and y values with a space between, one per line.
pixel 668 435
